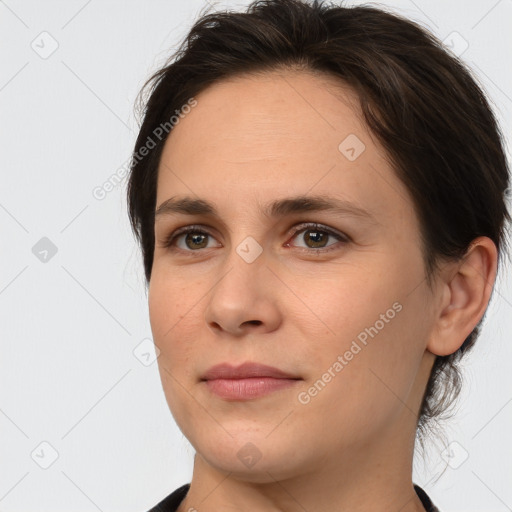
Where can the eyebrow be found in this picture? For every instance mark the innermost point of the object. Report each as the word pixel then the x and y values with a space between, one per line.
pixel 279 208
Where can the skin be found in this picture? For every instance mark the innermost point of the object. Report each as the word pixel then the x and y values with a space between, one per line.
pixel 249 141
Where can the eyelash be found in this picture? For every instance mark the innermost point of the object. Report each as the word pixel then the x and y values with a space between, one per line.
pixel 170 241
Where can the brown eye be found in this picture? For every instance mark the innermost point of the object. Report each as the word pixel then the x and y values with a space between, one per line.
pixel 196 240
pixel 316 237
pixel 189 238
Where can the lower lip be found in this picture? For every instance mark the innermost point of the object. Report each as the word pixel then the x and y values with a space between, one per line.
pixel 245 389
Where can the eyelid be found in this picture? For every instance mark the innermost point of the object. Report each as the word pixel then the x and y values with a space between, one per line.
pixel 303 226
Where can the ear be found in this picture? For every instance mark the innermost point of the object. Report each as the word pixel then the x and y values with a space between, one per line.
pixel 465 290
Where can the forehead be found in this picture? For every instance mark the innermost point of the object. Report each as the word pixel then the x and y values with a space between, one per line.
pixel 277 134
pixel 274 115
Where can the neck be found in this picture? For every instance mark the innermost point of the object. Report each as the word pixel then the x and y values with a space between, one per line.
pixel 374 476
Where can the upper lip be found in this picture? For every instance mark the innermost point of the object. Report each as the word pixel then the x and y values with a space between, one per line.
pixel 244 371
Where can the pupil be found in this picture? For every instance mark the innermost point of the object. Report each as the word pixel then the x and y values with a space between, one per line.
pixel 196 240
pixel 317 236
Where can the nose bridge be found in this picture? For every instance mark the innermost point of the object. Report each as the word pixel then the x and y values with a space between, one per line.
pixel 245 265
pixel 240 295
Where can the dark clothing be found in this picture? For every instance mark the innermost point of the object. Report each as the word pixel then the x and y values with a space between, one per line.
pixel 172 502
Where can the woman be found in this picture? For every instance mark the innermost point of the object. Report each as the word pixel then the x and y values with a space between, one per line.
pixel 321 234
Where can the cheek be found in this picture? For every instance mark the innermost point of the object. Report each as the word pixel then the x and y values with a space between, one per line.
pixel 374 366
pixel 172 299
pixel 375 324
pixel 348 301
pixel 174 334
pixel 172 320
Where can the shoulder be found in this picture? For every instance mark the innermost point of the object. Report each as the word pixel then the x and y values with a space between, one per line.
pixel 172 502
pixel 425 500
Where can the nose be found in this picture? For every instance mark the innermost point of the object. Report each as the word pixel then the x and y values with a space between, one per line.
pixel 245 299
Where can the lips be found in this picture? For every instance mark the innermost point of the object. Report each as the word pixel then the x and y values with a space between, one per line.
pixel 247 381
pixel 246 371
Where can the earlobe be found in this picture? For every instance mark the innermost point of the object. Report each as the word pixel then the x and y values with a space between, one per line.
pixel 466 288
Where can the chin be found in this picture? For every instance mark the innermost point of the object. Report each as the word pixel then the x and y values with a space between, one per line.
pixel 254 459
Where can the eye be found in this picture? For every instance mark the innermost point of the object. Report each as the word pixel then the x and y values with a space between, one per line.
pixel 194 238
pixel 315 237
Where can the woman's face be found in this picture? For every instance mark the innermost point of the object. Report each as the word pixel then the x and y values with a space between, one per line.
pixel 342 307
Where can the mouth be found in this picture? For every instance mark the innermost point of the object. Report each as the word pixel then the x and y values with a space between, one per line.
pixel 247 381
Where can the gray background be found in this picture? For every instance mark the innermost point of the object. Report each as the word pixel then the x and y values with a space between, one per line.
pixel 75 336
